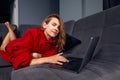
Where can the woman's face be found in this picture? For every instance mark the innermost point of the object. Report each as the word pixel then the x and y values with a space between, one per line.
pixel 52 28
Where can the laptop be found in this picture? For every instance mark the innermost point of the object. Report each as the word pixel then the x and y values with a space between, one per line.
pixel 77 64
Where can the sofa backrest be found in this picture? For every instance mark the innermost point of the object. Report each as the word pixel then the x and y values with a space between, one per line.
pixel 85 28
pixel 108 48
pixel 4 30
pixel 23 27
pixel 68 25
pixel 93 26
pixel 112 16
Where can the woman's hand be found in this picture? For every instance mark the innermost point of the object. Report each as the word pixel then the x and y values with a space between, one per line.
pixel 57 59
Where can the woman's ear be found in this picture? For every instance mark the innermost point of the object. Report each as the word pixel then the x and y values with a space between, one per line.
pixel 44 25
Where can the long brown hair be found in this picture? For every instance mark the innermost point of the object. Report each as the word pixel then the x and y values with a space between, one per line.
pixel 60 38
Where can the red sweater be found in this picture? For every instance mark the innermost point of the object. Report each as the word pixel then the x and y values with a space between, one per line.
pixel 18 51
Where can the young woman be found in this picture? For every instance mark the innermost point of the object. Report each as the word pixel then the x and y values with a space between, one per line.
pixel 37 46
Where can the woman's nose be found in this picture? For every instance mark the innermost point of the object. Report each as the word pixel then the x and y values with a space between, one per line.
pixel 56 28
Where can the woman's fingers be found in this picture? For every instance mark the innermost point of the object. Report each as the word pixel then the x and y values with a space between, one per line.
pixel 62 58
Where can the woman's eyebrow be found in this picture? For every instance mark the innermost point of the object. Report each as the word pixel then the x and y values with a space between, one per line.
pixel 54 23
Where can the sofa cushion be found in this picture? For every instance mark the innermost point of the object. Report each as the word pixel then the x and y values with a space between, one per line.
pixel 71 42
pixel 69 26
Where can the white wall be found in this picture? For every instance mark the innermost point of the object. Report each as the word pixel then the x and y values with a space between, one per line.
pixel 33 11
pixel 70 9
pixel 76 9
pixel 30 11
pixel 92 7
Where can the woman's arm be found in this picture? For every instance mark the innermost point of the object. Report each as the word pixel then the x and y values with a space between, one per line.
pixel 55 59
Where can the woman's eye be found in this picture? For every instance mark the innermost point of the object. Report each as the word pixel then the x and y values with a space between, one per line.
pixel 54 24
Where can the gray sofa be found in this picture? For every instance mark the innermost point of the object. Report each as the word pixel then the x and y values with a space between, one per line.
pixel 105 64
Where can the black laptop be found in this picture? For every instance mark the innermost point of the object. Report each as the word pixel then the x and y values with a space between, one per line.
pixel 77 64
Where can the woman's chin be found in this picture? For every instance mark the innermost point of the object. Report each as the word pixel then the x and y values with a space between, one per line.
pixel 53 36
